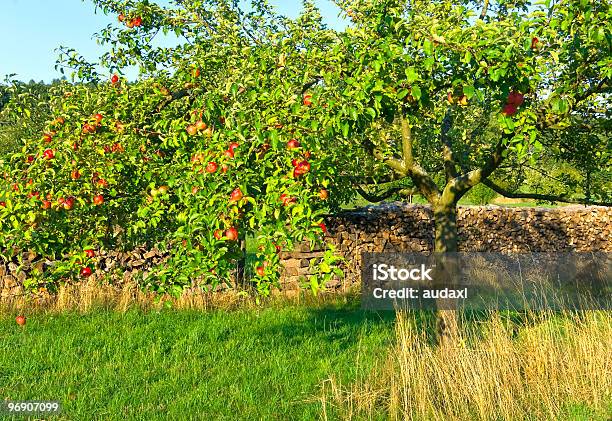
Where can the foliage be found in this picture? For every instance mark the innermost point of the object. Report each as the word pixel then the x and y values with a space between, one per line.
pixel 201 151
pixel 481 195
pixel 24 110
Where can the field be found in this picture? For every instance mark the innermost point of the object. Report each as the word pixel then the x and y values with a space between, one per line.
pixel 257 363
pixel 306 360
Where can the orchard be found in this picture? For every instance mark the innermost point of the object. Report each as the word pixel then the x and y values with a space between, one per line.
pixel 258 125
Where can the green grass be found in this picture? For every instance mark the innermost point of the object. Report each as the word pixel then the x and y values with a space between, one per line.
pixel 244 364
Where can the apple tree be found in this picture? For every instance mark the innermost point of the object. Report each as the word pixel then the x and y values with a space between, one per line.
pixel 449 94
pixel 215 141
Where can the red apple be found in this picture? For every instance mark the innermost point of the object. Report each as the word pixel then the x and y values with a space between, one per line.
pixel 192 130
pixel 236 195
pixel 75 174
pixel 261 271
pixel 195 72
pixel 98 117
pixel 323 194
pixel 287 200
pixel 30 158
pixel 114 79
pixel 98 199
pixel 211 167
pixel 47 137
pixel 21 320
pixel 224 168
pixel 233 146
pixel 229 153
pixel 130 24
pixel 292 144
pixel 88 128
pixel 49 154
pixel 509 110
pixel 2 204
pixel 46 204
pixel 200 125
pixel 69 203
pixel 307 100
pixel 534 42
pixel 516 99
pixel 86 272
pixel 323 227
pixel 231 234
pixel 301 168
pixel 90 253
pixel 162 189
pixel 307 155
pixel 137 21
pixel 218 234
pixel 102 182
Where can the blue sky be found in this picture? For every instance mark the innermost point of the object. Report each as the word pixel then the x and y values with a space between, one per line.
pixel 31 30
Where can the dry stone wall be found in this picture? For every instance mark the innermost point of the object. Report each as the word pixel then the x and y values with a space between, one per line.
pixel 409 228
pixel 386 228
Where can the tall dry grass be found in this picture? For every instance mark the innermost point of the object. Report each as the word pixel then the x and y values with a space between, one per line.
pixel 92 295
pixel 89 295
pixel 545 368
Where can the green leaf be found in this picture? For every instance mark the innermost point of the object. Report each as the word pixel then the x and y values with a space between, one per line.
pixel 428 47
pixel 416 92
pixel 468 91
pixel 411 74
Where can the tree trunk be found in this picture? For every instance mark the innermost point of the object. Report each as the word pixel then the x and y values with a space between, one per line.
pixel 445 219
pixel 241 266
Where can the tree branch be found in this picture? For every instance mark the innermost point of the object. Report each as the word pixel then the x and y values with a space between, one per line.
pixel 548 197
pixel 460 185
pixel 170 98
pixel 406 142
pixel 417 174
pixel 450 168
pixel 485 7
pixel 309 85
